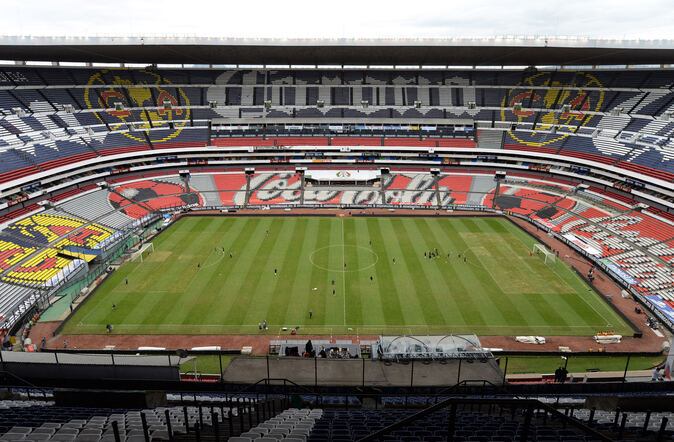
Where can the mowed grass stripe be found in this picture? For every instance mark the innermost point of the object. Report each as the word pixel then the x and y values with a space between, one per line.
pixel 358 281
pixel 304 277
pixel 329 253
pixel 535 301
pixel 467 309
pixel 403 268
pixel 503 248
pixel 369 299
pixel 209 278
pixel 372 306
pixel 455 298
pixel 230 240
pixel 389 288
pixel 286 293
pixel 247 269
pixel 168 293
pixel 263 288
pixel 174 314
pixel 482 288
pixel 126 297
pixel 431 287
pixel 531 298
pixel 235 240
pixel 176 271
pixel 258 283
pixel 580 304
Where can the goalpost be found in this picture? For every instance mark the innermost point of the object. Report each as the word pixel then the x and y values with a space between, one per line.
pixel 549 256
pixel 135 256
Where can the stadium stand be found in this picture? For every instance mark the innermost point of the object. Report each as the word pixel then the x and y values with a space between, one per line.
pixel 230 188
pixel 90 205
pixel 270 188
pixel 15 300
pixel 40 268
pixel 38 421
pixel 465 189
pixel 43 228
pixel 13 250
pixel 44 104
pixel 501 419
pixel 53 128
pixel 203 415
pixel 152 195
pixel 291 425
pixel 586 154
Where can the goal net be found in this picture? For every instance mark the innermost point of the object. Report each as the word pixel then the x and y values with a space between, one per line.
pixel 541 249
pixel 143 253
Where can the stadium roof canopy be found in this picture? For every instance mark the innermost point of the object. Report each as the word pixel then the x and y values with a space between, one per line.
pixel 507 51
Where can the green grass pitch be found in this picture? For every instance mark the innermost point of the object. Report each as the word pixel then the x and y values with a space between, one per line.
pixel 189 286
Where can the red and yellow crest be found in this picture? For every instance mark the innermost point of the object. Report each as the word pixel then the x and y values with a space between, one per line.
pixel 576 96
pixel 142 100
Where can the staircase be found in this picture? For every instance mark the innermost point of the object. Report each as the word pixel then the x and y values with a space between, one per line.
pixel 490 139
pixel 230 422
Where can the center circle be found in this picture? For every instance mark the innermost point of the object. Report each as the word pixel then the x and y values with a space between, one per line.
pixel 330 258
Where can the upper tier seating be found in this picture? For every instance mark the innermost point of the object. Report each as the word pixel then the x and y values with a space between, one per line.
pixel 89 206
pixel 43 228
pixel 43 92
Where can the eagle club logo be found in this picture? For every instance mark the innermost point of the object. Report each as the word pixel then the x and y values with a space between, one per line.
pixel 578 100
pixel 138 89
pixel 343 174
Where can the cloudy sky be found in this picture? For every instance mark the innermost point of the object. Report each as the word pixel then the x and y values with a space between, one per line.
pixel 621 19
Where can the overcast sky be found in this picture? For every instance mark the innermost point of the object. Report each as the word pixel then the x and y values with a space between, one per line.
pixel 622 19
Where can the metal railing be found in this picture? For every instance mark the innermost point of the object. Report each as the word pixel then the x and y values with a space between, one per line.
pixel 527 405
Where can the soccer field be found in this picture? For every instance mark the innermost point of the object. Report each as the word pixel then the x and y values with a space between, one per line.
pixel 188 285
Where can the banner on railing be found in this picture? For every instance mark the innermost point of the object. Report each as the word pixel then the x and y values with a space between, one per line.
pixel 622 187
pixel 545 223
pixel 32 186
pixel 618 271
pixel 17 200
pixel 585 247
pixel 661 305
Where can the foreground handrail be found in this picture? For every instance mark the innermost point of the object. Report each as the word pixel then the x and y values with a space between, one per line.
pixel 528 404
pixel 20 379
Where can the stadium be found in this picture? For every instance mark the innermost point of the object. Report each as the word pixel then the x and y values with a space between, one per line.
pixel 336 239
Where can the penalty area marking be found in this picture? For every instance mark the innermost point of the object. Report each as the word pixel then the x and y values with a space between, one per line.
pixel 214 262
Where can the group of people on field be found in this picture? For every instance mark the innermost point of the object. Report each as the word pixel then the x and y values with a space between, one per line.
pixel 435 253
